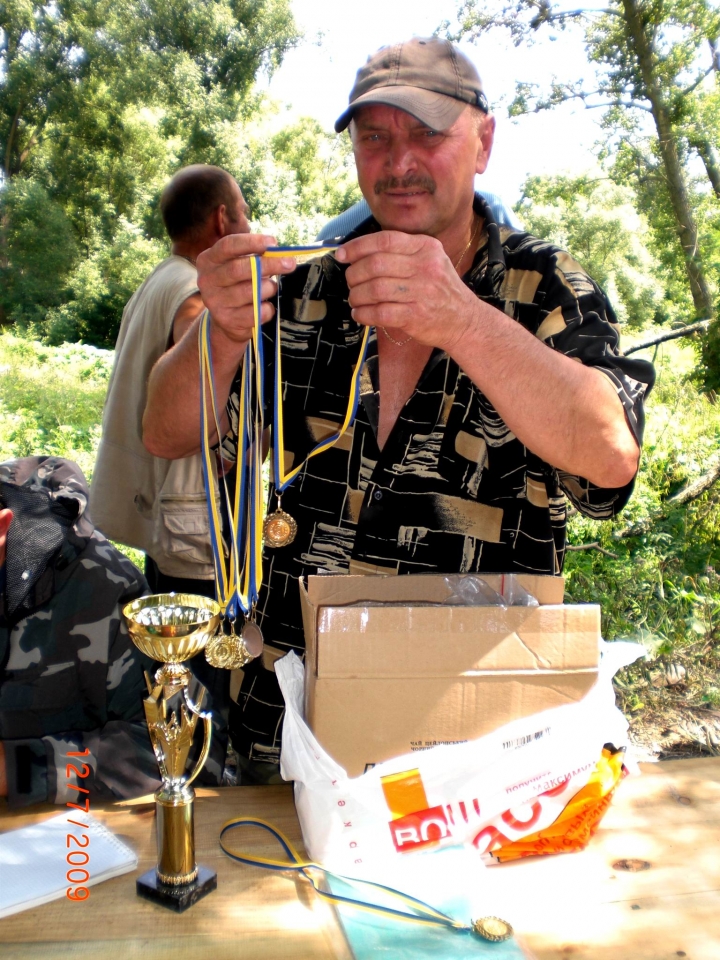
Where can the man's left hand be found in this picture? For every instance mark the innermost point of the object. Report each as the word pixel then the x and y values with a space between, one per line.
pixel 406 283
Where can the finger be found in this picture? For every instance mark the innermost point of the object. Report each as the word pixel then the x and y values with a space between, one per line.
pixel 236 245
pixel 238 271
pixel 385 241
pixel 382 290
pixel 238 323
pixel 394 316
pixel 401 266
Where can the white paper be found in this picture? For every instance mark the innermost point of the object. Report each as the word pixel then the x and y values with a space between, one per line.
pixel 34 864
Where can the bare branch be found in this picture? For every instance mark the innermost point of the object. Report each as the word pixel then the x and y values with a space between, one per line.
pixel 695 489
pixel 591 546
pixel 689 493
pixel 672 335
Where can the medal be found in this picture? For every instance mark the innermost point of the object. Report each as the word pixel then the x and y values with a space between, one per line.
pixel 232 651
pixel 279 528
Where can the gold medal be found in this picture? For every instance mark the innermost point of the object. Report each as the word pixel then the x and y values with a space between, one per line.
pixel 493 929
pixel 232 651
pixel 279 528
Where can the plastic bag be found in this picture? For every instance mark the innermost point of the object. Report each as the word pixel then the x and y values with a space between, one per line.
pixel 524 773
pixel 467 590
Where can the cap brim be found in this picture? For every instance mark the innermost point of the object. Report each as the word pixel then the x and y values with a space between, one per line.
pixel 435 110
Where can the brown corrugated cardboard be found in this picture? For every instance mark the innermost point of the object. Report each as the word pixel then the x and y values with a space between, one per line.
pixel 386 680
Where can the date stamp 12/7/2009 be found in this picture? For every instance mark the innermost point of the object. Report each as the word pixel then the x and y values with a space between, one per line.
pixel 78 857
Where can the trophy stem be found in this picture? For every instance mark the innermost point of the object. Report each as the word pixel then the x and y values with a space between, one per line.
pixel 176 835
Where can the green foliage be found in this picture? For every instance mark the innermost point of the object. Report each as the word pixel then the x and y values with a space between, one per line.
pixel 51 400
pixel 596 221
pixel 652 60
pixel 296 179
pixel 662 587
pixel 100 288
pixel 100 102
pixel 39 249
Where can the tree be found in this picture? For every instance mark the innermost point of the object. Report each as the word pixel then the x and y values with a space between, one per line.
pixel 100 100
pixel 40 245
pixel 76 60
pixel 596 220
pixel 649 60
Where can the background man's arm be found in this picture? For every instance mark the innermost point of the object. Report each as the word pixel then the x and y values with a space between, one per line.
pixel 185 315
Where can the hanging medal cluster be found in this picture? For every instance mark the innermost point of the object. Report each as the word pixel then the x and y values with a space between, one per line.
pixel 238 569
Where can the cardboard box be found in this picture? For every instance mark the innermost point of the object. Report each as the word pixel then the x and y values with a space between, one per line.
pixel 381 681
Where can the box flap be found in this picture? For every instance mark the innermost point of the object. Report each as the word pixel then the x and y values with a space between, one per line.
pixel 341 589
pixel 449 641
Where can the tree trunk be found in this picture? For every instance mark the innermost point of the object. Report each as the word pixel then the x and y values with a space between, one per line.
pixel 708 155
pixel 685 222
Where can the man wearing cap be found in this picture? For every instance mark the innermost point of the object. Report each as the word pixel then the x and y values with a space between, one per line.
pixel 492 390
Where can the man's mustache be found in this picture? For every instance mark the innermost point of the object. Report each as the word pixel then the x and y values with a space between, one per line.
pixel 405 183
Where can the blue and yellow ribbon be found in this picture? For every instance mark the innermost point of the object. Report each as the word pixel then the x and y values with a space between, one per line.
pixel 238 578
pixel 417 911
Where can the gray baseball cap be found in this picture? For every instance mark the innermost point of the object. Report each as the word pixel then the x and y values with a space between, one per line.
pixel 427 77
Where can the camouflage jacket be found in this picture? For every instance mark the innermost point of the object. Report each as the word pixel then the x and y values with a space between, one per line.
pixel 70 677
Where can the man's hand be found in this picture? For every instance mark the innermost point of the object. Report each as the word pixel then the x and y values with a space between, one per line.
pixel 407 284
pixel 568 414
pixel 225 282
pixel 171 424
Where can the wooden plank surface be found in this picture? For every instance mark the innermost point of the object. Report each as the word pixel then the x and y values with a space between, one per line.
pixel 579 906
pixel 253 915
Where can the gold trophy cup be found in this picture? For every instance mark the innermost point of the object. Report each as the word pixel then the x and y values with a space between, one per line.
pixel 172 628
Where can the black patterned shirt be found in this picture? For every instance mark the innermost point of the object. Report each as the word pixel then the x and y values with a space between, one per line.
pixel 453 490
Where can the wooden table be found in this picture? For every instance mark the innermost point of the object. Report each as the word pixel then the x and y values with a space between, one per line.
pixel 579 906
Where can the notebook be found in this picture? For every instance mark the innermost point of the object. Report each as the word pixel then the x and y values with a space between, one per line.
pixel 34 861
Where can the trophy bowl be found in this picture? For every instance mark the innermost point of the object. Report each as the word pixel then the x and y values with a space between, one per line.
pixel 172 627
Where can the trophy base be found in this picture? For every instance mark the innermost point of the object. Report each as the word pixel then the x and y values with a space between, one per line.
pixel 176 898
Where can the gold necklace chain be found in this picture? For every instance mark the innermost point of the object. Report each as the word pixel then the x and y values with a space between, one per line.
pixel 473 235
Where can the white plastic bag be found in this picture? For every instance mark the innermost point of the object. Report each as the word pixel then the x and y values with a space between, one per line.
pixel 519 777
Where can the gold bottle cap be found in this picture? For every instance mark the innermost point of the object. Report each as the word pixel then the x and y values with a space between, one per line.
pixel 493 928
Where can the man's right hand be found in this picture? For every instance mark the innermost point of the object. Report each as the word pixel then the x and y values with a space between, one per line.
pixel 171 424
pixel 225 282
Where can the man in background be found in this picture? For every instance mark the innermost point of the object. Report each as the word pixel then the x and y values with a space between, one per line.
pixel 150 503
pixel 71 680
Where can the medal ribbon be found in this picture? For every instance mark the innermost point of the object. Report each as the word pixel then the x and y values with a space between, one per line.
pixel 282 478
pixel 417 910
pixel 238 581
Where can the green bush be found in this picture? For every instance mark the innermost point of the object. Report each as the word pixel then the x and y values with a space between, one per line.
pixel 662 586
pixel 51 400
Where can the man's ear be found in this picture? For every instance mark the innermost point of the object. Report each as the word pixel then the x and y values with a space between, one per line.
pixel 220 220
pixel 486 137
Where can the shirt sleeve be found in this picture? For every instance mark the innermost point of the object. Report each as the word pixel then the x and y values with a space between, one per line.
pixel 576 319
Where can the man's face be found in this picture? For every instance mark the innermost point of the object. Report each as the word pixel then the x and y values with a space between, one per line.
pixel 415 179
pixel 236 219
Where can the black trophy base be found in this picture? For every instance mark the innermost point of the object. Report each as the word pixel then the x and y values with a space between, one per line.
pixel 176 898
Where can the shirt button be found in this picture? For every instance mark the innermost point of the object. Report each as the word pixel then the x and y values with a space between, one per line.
pixel 378 494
